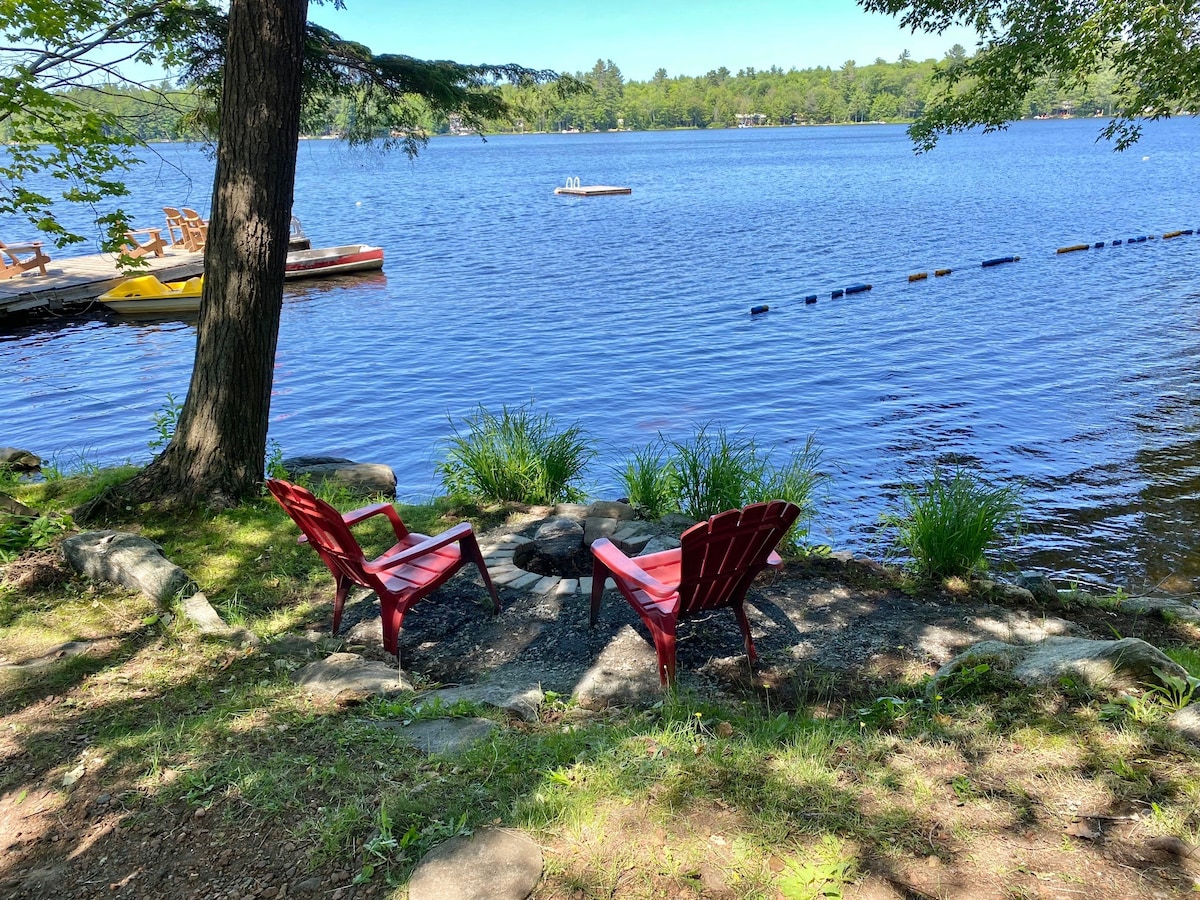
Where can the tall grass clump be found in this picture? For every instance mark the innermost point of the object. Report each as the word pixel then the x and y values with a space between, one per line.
pixel 516 456
pixel 712 470
pixel 946 522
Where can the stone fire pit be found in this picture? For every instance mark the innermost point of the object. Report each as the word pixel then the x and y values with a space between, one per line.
pixel 553 555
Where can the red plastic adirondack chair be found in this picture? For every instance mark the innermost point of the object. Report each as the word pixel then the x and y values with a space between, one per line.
pixel 712 568
pixel 413 568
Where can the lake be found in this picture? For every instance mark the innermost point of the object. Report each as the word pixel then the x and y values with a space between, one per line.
pixel 1073 373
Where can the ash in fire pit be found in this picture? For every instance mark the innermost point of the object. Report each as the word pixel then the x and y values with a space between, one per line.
pixel 556 549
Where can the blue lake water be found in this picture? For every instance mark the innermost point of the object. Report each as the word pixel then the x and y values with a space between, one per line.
pixel 1076 373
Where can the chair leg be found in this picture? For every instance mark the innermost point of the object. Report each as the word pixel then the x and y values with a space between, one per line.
pixel 599 575
pixel 664 647
pixel 339 600
pixel 392 615
pixel 744 624
pixel 469 546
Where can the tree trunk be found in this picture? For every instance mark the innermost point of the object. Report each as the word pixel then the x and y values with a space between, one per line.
pixel 216 454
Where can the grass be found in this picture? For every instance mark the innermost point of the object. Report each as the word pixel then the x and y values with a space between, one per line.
pixel 516 456
pixel 712 470
pixel 945 523
pixel 773 797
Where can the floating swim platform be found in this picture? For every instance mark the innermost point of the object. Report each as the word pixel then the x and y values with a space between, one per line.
pixel 574 188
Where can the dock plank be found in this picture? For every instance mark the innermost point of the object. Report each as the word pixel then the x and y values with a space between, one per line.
pixel 79 279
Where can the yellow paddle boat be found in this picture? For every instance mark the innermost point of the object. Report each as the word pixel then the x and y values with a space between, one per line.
pixel 145 294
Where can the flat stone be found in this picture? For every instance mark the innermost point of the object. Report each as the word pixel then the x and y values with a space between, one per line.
pixel 446 736
pixel 16 508
pixel 624 674
pixel 572 511
pixel 491 864
pixel 129 560
pixel 364 479
pixel 528 579
pixel 197 610
pixel 519 698
pixel 1186 723
pixel 611 509
pixel 632 538
pixel 597 527
pixel 547 585
pixel 507 576
pixel 567 586
pixel 349 671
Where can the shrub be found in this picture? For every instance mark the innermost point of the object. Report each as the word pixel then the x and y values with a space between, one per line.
pixel 649 481
pixel 946 522
pixel 516 456
pixel 713 471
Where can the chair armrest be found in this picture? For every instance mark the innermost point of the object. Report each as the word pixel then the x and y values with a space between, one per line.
pixel 34 246
pixel 358 515
pixel 451 536
pixel 628 570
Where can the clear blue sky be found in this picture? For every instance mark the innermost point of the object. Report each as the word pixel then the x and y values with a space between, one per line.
pixel 686 37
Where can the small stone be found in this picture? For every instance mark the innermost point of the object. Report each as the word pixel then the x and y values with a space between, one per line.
pixel 201 812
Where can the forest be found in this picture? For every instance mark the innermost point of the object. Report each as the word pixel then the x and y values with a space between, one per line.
pixel 880 92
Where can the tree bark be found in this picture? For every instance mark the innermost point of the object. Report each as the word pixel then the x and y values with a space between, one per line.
pixel 217 452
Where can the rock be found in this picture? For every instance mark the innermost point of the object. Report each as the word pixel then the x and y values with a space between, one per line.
pixel 1162 608
pixel 447 736
pixel 661 543
pixel 1186 723
pixel 15 508
pixel 65 650
pixel 520 699
pixel 197 610
pixel 596 527
pixel 1124 665
pixel 492 864
pixel 624 675
pixel 611 509
pixel 677 522
pixel 21 460
pixel 129 560
pixel 632 538
pixel 558 538
pixel 349 671
pixel 576 511
pixel 1040 586
pixel 365 479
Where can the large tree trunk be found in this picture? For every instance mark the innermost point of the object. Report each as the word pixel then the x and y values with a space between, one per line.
pixel 217 452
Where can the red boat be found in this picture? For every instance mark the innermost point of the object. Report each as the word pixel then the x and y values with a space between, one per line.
pixel 333 261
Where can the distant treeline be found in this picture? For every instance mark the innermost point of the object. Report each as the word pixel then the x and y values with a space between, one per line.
pixel 879 92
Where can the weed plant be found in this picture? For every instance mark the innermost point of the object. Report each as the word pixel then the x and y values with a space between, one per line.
pixel 516 456
pixel 945 523
pixel 712 471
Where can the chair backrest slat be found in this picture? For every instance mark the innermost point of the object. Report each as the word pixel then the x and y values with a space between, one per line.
pixel 721 557
pixel 324 528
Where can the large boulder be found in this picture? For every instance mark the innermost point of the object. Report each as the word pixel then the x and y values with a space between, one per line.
pixel 19 459
pixel 364 479
pixel 1126 664
pixel 129 560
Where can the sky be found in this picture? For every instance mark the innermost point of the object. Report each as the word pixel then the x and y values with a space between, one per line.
pixel 685 37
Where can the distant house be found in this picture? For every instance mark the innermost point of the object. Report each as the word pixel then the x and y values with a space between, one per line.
pixel 749 120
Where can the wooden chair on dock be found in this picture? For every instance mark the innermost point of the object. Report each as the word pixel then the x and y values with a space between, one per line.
pixel 175 232
pixel 144 241
pixel 195 230
pixel 17 259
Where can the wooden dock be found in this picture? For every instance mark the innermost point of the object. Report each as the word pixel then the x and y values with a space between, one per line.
pixel 78 279
pixel 592 190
